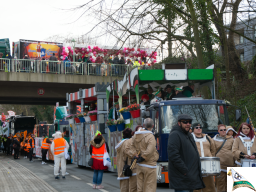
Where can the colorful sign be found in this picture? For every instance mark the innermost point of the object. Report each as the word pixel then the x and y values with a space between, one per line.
pixel 39 49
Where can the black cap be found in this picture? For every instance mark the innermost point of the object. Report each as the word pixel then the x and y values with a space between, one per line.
pixel 184 117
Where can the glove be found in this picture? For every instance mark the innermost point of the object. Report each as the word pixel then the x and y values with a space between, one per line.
pixel 156 135
pixel 140 159
pixel 242 155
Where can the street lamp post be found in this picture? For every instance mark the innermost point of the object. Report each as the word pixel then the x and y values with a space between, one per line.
pixel 73 43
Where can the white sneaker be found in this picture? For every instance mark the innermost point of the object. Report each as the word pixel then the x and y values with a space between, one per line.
pixel 43 163
pixel 67 173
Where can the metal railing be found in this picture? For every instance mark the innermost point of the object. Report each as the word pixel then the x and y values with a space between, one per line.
pixel 99 69
pixel 62 67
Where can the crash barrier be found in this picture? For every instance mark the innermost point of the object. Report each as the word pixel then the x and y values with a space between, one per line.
pixel 62 67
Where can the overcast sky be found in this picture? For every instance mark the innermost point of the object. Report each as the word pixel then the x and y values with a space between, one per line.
pixel 37 20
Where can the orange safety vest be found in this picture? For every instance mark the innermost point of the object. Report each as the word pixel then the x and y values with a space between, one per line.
pixel 28 145
pixel 45 145
pixel 33 143
pixel 98 153
pixel 59 146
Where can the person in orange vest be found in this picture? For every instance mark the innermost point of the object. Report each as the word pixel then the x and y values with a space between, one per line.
pixel 26 149
pixel 32 146
pixel 97 147
pixel 45 147
pixel 57 148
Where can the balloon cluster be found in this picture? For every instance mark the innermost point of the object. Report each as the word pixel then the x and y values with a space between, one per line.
pixel 92 52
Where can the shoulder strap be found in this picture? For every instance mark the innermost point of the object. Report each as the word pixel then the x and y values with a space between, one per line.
pixel 221 146
pixel 208 140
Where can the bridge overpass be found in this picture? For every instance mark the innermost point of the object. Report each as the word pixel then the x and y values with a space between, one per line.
pixel 42 88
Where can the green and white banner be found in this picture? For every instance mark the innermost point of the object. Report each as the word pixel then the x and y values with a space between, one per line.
pixel 239 180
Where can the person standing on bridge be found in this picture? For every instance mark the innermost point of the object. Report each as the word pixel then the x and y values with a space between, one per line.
pixel 57 148
pixel 45 147
pixel 53 65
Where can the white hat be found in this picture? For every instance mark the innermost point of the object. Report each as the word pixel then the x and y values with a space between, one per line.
pixel 230 128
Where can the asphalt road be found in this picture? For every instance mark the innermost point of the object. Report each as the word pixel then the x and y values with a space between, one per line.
pixel 79 178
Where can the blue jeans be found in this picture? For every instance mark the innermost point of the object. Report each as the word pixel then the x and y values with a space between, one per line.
pixel 97 70
pixel 97 177
pixel 183 190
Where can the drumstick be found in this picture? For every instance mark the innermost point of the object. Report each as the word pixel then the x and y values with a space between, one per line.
pixel 134 162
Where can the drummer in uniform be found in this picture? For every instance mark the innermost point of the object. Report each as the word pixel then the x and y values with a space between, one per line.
pixel 244 145
pixel 206 148
pixel 223 145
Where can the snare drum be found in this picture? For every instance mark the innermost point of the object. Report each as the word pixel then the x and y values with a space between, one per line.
pixel 248 162
pixel 210 166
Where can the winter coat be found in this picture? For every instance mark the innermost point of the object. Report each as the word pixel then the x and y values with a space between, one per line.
pixel 17 142
pixel 208 145
pixel 124 153
pixel 110 115
pixel 97 164
pixel 53 58
pixel 116 60
pixel 145 142
pixel 238 147
pixel 121 61
pixel 179 95
pixel 225 154
pixel 184 168
pixel 188 91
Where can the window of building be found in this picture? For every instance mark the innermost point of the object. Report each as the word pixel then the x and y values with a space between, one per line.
pixel 242 57
pixel 241 40
pixel 253 51
pixel 255 32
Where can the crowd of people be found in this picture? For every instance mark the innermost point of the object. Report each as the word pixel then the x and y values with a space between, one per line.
pixel 187 143
pixel 17 144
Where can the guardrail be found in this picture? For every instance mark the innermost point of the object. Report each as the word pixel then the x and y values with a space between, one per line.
pixel 107 69
pixel 62 67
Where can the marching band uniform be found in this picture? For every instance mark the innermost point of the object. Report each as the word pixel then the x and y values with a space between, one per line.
pixel 144 142
pixel 243 145
pixel 125 153
pixel 206 148
pixel 226 159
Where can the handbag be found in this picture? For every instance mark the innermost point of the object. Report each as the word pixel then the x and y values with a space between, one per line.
pixel 90 162
pixel 66 154
pixel 106 159
pixel 127 169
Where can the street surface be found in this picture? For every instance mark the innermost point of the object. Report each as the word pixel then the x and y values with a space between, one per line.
pixel 37 177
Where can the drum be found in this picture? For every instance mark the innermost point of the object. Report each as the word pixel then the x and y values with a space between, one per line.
pixel 210 166
pixel 248 162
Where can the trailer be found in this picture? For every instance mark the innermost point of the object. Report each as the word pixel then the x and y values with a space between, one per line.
pixel 208 112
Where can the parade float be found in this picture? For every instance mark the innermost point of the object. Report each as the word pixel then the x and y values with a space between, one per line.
pixel 209 112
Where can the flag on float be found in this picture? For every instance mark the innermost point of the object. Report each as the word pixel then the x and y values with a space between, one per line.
pixel 239 180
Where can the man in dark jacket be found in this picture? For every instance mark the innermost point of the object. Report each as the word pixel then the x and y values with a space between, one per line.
pixel 53 65
pixel 178 92
pixel 184 162
pixel 16 147
pixel 189 90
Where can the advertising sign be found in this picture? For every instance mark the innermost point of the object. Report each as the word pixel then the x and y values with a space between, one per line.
pixel 39 49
